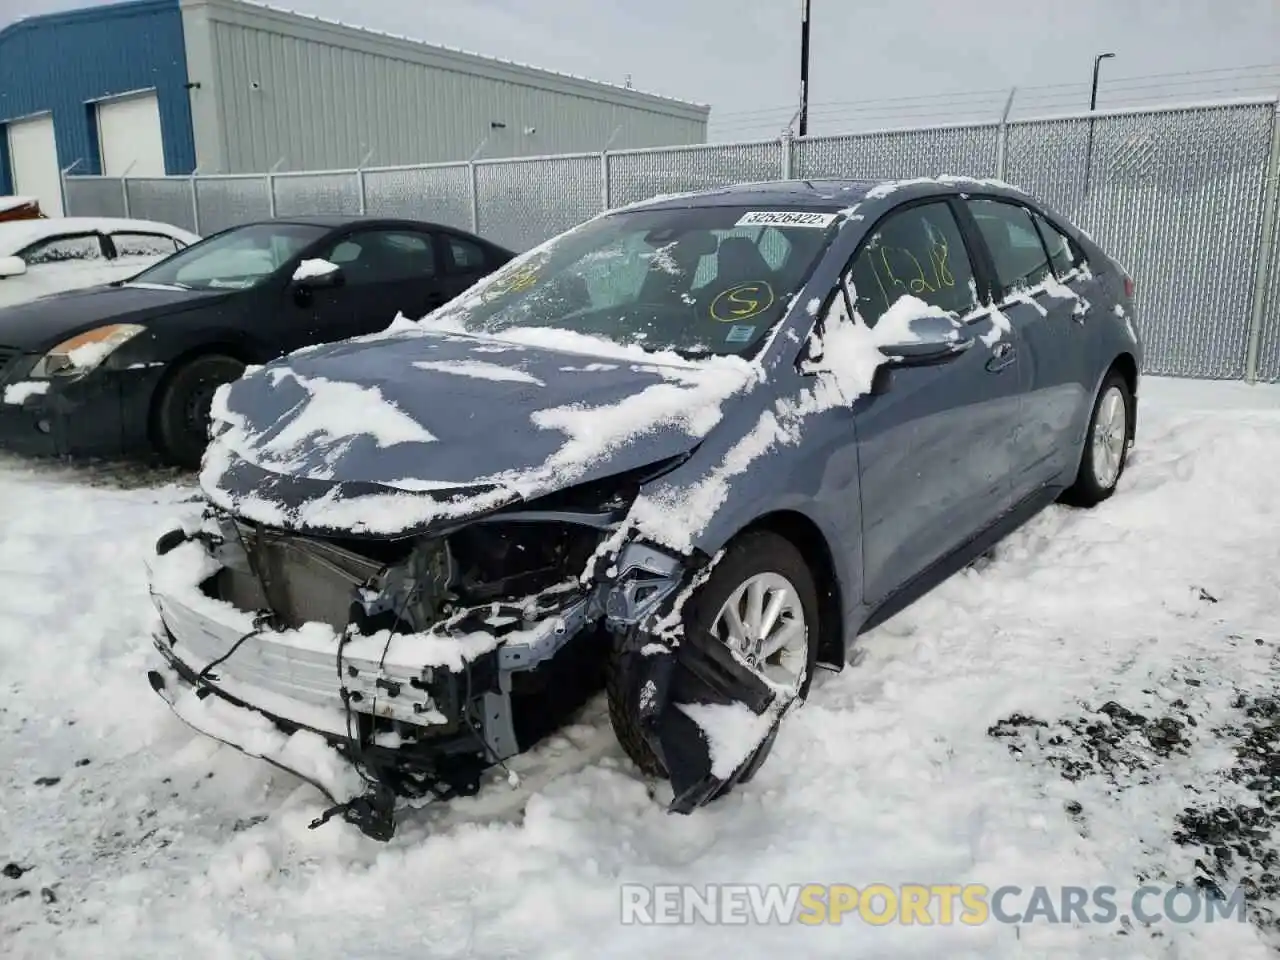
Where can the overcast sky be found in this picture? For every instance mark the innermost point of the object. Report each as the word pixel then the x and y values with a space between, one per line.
pixel 916 60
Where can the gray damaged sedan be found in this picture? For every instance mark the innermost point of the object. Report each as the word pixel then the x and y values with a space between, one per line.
pixel 686 451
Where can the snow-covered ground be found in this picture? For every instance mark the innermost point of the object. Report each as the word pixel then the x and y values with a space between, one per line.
pixel 125 835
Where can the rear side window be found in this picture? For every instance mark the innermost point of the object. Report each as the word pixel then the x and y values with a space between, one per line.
pixel 918 252
pixel 1063 254
pixel 64 249
pixel 467 257
pixel 1016 249
pixel 143 245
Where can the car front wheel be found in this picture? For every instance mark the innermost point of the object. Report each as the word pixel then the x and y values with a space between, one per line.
pixel 182 412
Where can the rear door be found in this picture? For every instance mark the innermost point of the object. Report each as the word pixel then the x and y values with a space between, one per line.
pixel 387 271
pixel 935 448
pixel 1087 297
pixel 1043 313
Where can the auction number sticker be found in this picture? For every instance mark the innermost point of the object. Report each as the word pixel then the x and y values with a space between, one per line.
pixel 787 218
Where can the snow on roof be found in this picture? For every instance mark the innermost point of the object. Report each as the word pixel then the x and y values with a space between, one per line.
pixel 467 53
pixel 17 234
pixel 12 203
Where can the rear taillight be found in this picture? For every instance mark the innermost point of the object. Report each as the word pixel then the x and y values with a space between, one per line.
pixel 1129 287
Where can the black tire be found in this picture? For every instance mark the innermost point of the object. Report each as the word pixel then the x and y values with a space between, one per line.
pixel 182 410
pixel 751 554
pixel 1092 484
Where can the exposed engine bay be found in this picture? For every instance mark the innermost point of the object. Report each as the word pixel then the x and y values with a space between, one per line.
pixel 427 660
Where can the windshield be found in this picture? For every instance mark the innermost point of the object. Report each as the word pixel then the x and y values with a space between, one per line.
pixel 234 260
pixel 706 280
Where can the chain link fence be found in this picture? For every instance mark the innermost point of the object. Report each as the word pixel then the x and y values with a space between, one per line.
pixel 1184 197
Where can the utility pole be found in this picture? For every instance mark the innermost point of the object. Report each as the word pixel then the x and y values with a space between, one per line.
pixel 1093 105
pixel 804 68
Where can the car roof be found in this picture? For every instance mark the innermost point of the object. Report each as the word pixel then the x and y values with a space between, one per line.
pixel 335 221
pixel 17 234
pixel 830 194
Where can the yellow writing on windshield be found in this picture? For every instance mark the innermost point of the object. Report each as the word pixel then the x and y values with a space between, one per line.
pixel 519 280
pixel 742 301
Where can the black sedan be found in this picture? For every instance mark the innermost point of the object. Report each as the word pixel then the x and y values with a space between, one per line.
pixel 132 367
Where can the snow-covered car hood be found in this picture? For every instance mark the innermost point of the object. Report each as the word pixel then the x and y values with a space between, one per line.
pixel 393 433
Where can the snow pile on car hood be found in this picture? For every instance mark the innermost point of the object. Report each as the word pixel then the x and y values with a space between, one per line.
pixel 401 430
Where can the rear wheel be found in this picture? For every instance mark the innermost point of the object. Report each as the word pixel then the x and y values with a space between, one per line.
pixel 761 602
pixel 1106 445
pixel 182 412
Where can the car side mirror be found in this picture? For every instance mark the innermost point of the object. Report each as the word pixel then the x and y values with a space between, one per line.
pixel 317 275
pixel 12 267
pixel 922 341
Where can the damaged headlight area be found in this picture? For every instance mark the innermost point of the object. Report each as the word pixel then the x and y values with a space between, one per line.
pixel 394 671
pixel 422 661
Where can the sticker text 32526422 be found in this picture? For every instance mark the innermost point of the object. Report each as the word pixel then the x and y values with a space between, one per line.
pixel 786 218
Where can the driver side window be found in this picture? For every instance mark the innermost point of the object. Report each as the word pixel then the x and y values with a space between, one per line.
pixel 384 256
pixel 917 252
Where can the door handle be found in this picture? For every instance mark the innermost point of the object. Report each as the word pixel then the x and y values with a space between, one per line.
pixel 1001 356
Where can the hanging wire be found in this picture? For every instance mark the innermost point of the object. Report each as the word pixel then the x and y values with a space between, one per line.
pixel 986 105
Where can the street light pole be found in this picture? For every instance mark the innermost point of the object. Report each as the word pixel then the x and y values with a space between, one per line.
pixel 804 67
pixel 1093 105
pixel 1097 64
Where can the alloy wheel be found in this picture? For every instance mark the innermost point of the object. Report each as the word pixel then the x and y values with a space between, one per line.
pixel 763 622
pixel 1110 433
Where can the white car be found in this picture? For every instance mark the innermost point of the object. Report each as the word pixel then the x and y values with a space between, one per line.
pixel 40 257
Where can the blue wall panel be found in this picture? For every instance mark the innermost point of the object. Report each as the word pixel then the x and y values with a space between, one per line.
pixel 62 62
pixel 6 185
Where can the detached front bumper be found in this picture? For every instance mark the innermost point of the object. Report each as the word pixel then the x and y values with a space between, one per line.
pixel 104 414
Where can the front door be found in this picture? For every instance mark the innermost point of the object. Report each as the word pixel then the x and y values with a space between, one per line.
pixel 935 448
pixel 387 271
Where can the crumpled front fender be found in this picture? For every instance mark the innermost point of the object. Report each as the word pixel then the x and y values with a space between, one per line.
pixel 669 675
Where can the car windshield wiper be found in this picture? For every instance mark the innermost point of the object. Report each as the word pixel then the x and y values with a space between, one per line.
pixel 149 283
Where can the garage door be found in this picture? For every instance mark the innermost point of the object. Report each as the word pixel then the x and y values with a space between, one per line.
pixel 33 160
pixel 129 137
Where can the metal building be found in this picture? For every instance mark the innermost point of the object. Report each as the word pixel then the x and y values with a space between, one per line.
pixel 102 90
pixel 156 87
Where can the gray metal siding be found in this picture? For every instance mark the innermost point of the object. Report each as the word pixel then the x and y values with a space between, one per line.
pixel 333 97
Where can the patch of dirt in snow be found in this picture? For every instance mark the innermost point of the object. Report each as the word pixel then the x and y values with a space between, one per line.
pixel 1237 842
pixel 1111 741
pixel 1231 826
